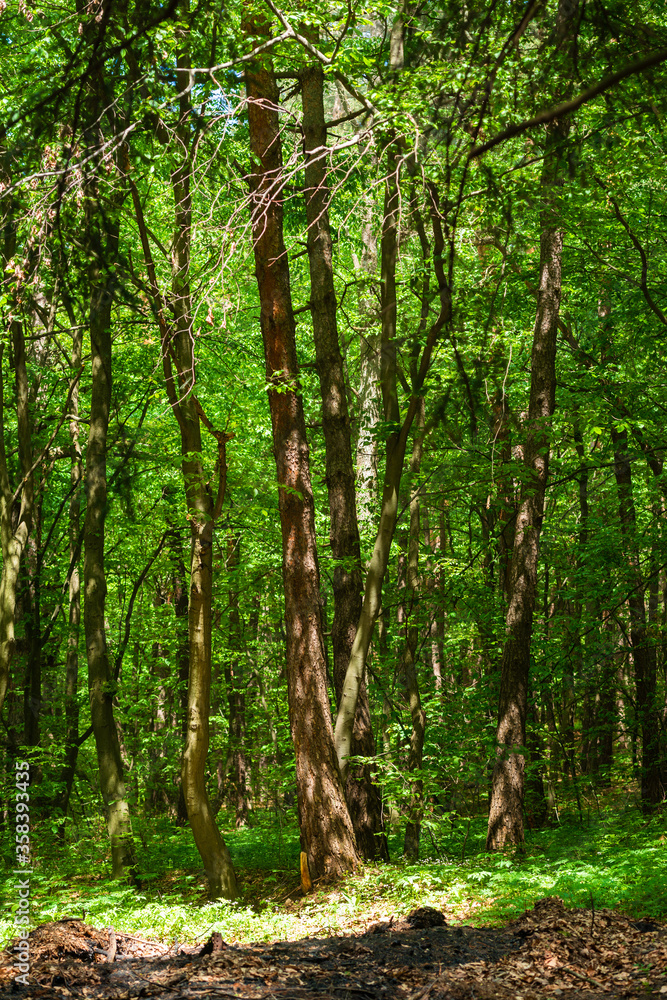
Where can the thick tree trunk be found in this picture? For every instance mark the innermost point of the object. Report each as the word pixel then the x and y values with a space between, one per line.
pixel 363 797
pixel 507 791
pixel 326 829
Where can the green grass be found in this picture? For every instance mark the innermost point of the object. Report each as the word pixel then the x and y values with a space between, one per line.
pixel 616 858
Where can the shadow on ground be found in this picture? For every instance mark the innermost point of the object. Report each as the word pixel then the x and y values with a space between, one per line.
pixel 547 952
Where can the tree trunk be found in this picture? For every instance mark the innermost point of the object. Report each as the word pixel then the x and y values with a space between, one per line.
pixel 178 342
pixel 507 783
pixel 180 715
pixel 326 829
pixel 363 797
pixel 14 531
pixel 370 394
pixel 408 666
pixel 201 508
pixel 396 442
pixel 32 685
pixel 236 686
pixel 643 650
pixel 74 528
pixel 101 685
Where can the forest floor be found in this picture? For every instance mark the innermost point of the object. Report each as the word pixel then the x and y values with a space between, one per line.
pixel 581 912
pixel 549 951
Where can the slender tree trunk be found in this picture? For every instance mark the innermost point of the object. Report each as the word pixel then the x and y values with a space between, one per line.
pixel 397 436
pixel 236 686
pixel 101 241
pixel 178 359
pixel 408 665
pixel 363 797
pixel 14 531
pixel 396 440
pixel 202 509
pixel 606 715
pixel 32 687
pixel 100 676
pixel 643 650
pixel 74 528
pixel 326 829
pixel 507 791
pixel 370 393
pixel 182 639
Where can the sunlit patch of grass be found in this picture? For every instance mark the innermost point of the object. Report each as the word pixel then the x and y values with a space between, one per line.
pixel 615 860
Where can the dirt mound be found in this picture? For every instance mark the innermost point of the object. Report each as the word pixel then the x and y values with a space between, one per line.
pixel 548 952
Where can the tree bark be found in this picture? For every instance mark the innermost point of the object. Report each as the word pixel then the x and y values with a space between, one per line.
pixel 643 650
pixel 202 508
pixel 14 530
pixel 101 684
pixel 363 797
pixel 74 528
pixel 236 686
pixel 179 365
pixel 326 829
pixel 507 784
pixel 408 665
pixel 396 438
pixel 370 394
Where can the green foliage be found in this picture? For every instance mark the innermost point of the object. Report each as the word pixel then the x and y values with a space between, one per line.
pixel 611 860
pixel 460 72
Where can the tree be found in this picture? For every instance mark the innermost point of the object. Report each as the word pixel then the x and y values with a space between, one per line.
pixel 326 829
pixel 209 196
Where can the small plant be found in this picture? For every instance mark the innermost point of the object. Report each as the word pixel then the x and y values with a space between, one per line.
pixel 621 865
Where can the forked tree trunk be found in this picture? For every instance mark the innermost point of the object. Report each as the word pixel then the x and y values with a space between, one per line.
pixel 506 826
pixel 178 358
pixel 363 797
pixel 202 509
pixel 326 829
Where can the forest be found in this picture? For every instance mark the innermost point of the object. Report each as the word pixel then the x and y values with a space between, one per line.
pixel 332 474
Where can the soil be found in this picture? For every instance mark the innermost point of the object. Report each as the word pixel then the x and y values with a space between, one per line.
pixel 547 952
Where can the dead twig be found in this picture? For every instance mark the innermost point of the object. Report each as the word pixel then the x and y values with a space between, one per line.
pixel 111 952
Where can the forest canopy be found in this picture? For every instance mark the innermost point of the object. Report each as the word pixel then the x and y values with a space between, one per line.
pixel 332 420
